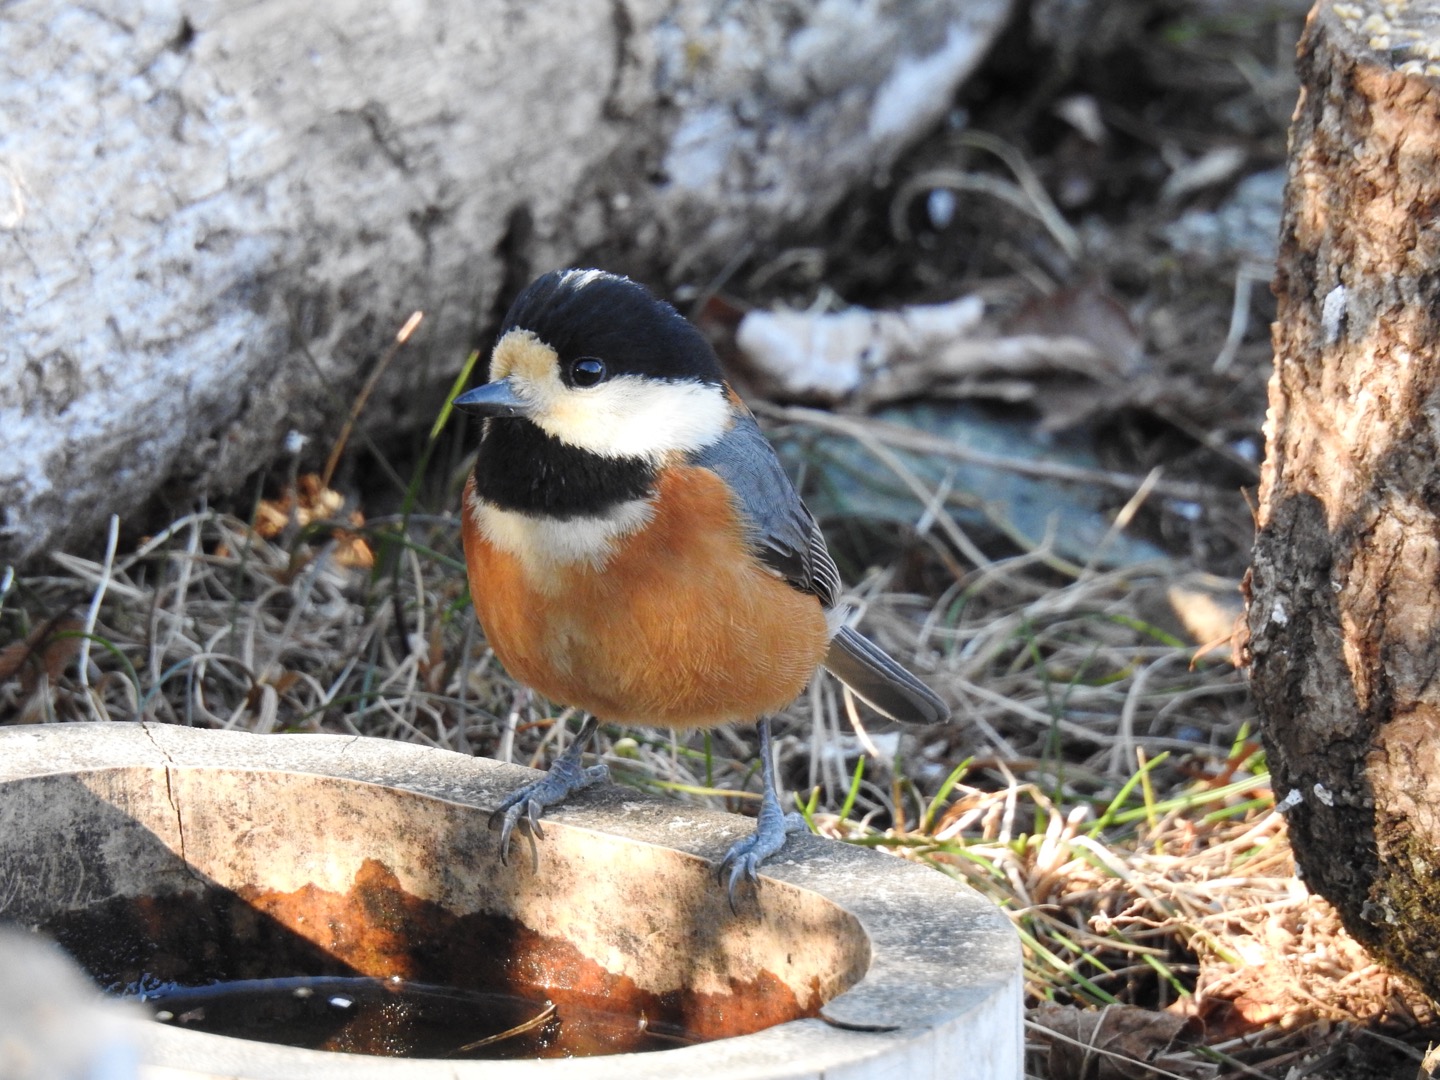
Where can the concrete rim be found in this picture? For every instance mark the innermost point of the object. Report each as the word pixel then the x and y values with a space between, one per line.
pixel 945 963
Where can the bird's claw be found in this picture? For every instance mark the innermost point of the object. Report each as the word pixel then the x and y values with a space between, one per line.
pixel 745 856
pixel 522 809
pixel 523 812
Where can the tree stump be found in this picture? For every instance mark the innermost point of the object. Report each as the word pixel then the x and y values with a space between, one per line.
pixel 1344 590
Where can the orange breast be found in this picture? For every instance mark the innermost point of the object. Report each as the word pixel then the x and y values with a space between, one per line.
pixel 681 628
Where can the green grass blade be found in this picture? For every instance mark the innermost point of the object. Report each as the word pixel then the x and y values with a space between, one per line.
pixel 455 388
pixel 854 792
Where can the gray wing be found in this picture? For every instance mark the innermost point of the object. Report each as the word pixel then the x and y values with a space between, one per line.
pixel 783 533
pixel 787 540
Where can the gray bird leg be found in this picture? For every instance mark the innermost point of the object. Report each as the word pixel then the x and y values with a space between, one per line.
pixel 772 825
pixel 565 776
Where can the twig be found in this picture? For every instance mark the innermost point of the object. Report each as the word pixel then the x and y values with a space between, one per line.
pixel 106 568
pixel 358 406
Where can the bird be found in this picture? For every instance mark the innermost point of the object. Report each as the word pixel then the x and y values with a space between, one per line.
pixel 636 551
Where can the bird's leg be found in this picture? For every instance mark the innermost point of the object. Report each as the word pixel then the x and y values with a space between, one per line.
pixel 566 776
pixel 771 826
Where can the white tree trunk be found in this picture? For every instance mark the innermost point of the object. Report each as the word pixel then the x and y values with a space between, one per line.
pixel 196 195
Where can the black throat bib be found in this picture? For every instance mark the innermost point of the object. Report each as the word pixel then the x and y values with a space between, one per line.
pixel 522 468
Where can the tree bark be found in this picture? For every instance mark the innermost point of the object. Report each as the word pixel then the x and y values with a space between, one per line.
pixel 215 216
pixel 1344 590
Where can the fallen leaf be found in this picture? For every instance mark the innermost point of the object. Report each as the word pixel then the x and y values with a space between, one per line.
pixel 1118 1042
pixel 308 502
pixel 1071 354
pixel 40 660
pixel 1430 1065
pixel 44 652
pixel 833 356
pixel 1085 317
pixel 1089 313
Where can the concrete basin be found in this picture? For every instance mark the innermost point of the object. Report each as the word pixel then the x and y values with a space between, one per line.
pixel 162 856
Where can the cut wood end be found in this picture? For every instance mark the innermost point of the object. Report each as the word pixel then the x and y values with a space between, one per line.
pixel 1403 36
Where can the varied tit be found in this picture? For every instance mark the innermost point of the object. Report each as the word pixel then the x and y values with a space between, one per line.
pixel 635 549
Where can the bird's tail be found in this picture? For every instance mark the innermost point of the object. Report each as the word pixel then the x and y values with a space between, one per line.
pixel 881 682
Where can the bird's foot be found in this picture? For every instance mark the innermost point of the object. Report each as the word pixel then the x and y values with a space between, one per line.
pixel 745 856
pixel 523 808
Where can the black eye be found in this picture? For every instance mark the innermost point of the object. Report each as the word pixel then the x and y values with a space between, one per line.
pixel 587 371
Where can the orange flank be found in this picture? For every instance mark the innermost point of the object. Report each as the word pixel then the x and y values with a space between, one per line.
pixel 683 628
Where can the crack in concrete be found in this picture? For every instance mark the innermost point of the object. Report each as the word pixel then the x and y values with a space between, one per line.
pixel 171 798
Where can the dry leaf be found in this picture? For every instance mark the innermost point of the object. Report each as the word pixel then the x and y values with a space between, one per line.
pixel 1067 353
pixel 1085 316
pixel 432 666
pixel 1430 1065
pixel 832 356
pixel 43 653
pixel 308 502
pixel 1118 1042
pixel 39 661
pixel 1089 313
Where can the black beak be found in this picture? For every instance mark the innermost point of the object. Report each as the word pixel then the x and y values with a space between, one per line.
pixel 492 399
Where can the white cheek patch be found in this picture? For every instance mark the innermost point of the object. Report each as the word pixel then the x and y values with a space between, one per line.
pixel 544 545
pixel 634 416
pixel 628 416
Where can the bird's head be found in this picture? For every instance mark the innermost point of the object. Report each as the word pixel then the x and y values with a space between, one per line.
pixel 595 361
